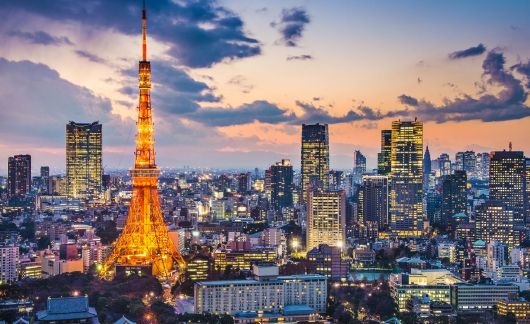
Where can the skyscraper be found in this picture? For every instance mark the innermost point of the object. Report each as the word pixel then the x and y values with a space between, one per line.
pixel 454 196
pixel 375 200
pixel 406 195
pixel 45 179
pixel 426 168
pixel 19 175
pixel 315 156
pixel 483 166
pixel 83 159
pixel 383 158
pixel 507 182
pixel 359 166
pixel 427 161
pixel 282 184
pixel 494 222
pixel 466 161
pixel 145 244
pixel 444 164
pixel 326 218
pixel 527 200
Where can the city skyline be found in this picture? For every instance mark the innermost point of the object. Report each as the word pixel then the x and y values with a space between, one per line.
pixel 482 73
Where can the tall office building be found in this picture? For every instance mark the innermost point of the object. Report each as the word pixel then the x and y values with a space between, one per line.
pixel 83 159
pixel 375 200
pixel 483 166
pixel 466 161
pixel 494 222
pixel 454 196
pixel 45 179
pixel 427 161
pixel 383 158
pixel 427 168
pixel 336 180
pixel 282 184
pixel 244 182
pixel 527 200
pixel 406 195
pixel 359 167
pixel 315 156
pixel 19 175
pixel 326 218
pixel 444 164
pixel 507 182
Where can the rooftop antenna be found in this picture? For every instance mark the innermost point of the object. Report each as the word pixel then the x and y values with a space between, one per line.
pixel 144 33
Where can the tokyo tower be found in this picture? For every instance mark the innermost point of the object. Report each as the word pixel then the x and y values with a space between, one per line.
pixel 145 244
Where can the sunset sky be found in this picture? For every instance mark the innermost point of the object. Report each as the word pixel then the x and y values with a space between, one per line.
pixel 235 79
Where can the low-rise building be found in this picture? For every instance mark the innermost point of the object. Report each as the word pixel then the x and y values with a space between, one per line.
pixel 328 260
pixel 467 297
pixel 363 255
pixel 68 310
pixel 267 292
pixel 434 283
pixel 242 259
pixel 197 269
pixel 516 306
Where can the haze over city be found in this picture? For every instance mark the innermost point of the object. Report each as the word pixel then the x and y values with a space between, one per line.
pixel 234 80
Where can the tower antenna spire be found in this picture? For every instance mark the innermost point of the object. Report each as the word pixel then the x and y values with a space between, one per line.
pixel 144 33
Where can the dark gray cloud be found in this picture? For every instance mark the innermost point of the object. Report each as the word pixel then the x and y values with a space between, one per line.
pixel 472 51
pixel 200 33
pixel 177 93
pixel 291 25
pixel 89 56
pixel 303 57
pixel 524 70
pixel 261 110
pixel 313 114
pixel 408 100
pixel 40 37
pixel 508 104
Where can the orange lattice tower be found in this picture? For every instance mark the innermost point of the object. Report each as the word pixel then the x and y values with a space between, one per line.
pixel 144 244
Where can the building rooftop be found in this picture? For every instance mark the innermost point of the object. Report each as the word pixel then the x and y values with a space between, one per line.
pixel 67 308
pixel 257 282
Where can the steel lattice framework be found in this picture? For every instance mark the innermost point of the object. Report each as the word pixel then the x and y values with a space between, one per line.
pixel 145 240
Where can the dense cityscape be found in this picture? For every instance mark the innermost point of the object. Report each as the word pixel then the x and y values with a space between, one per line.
pixel 424 237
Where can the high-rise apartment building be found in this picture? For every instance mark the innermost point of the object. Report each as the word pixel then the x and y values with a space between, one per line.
pixel 19 175
pixel 359 167
pixel 383 158
pixel 375 200
pixel 315 157
pixel 507 182
pixel 282 184
pixel 83 159
pixel 406 195
pixel 326 218
pixel 466 161
pixel 9 257
pixel 454 196
pixel 495 222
